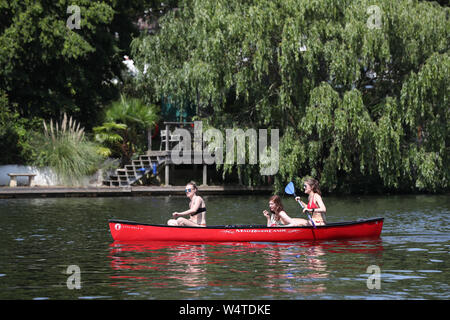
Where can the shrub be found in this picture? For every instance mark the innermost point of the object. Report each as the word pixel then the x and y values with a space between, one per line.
pixel 66 150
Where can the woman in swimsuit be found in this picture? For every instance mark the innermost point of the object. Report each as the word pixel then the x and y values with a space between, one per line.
pixel 196 212
pixel 315 205
pixel 277 217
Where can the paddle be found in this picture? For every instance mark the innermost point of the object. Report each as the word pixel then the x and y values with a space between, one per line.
pixel 290 189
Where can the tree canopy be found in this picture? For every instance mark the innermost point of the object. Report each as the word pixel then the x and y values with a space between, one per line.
pixel 358 89
pixel 61 56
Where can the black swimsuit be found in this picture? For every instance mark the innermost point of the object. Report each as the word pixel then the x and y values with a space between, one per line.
pixel 199 210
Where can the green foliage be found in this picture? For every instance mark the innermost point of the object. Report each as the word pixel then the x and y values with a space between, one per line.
pixel 107 134
pixel 64 148
pixel 125 128
pixel 47 68
pixel 132 111
pixel 362 107
pixel 14 138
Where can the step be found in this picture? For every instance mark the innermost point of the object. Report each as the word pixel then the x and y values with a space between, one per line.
pixel 131 173
pixel 110 183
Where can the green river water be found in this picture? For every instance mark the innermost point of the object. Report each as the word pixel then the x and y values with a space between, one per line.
pixel 41 238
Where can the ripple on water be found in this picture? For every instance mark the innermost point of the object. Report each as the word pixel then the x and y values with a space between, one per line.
pixel 50 234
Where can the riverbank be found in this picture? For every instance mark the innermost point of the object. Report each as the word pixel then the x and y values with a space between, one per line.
pixel 47 192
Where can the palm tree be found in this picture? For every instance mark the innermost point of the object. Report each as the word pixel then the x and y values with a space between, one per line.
pixel 132 111
pixel 107 135
pixel 127 118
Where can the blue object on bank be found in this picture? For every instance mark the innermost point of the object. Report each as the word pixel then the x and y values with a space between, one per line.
pixel 154 167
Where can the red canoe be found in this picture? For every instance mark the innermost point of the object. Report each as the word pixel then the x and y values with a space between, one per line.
pixel 123 230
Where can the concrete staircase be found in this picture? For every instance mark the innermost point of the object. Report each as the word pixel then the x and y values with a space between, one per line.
pixel 136 170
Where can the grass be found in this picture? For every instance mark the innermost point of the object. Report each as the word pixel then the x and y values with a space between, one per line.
pixel 65 149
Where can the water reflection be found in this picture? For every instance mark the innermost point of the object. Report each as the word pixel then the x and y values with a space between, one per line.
pixel 177 261
pixel 301 268
pixel 41 237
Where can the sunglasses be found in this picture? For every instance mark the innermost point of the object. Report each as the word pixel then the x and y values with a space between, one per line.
pixel 187 190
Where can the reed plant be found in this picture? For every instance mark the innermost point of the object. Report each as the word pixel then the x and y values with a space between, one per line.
pixel 65 149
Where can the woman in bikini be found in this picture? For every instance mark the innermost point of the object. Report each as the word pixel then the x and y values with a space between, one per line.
pixel 315 205
pixel 196 212
pixel 277 217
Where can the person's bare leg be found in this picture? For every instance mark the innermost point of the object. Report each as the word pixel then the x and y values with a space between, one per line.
pixel 172 222
pixel 300 222
pixel 186 222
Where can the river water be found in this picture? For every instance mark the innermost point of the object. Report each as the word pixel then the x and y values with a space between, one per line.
pixel 46 241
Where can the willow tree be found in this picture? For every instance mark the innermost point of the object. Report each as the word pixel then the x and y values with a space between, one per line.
pixel 358 89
